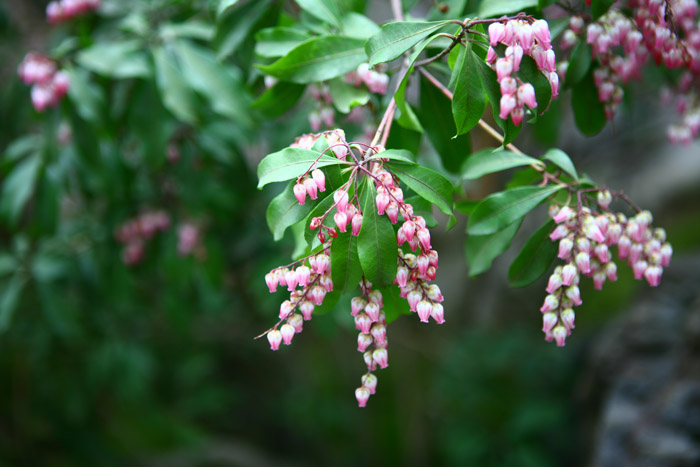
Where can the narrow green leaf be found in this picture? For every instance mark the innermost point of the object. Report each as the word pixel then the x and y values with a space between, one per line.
pixel 290 163
pixel 123 59
pixel 426 183
pixel 489 161
pixel 589 112
pixel 396 38
pixel 561 160
pixel 600 7
pixel 87 98
pixel 327 11
pixel 224 5
pixel 435 114
pixel 9 299
pixel 277 100
pixel 177 97
pixel 17 187
pixel 535 258
pixel 493 90
pixel 346 96
pixel 469 100
pixel 277 42
pixel 491 8
pixel 234 26
pixel 318 59
pixel 396 155
pixel 346 271
pixel 376 244
pixel 481 250
pixel 359 26
pixel 499 210
pixel 579 64
pixel 407 117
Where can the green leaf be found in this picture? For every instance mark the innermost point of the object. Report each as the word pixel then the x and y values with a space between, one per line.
pixel 535 258
pixel 284 211
pixel 277 42
pixel 224 5
pixel 435 114
pixel 396 38
pixel 125 59
pixel 290 163
pixel 407 118
pixel 346 271
pixel 359 26
pixel 589 112
pixel 481 250
pixel 9 299
pixel 193 29
pixel 491 8
pixel 219 84
pixel 469 100
pixel 543 89
pixel 177 96
pixel 600 7
pixel 489 161
pixel 376 244
pixel 318 59
pixel 18 187
pixel 499 210
pixel 493 90
pixel 327 11
pixel 346 96
pixel 579 63
pixel 561 160
pixel 426 183
pixel 394 305
pixel 235 26
pixel 86 97
pixel 279 98
pixel 396 155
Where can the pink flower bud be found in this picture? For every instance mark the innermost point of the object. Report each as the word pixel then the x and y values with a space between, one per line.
pixel 311 188
pixel 592 231
pixel 341 220
pixel 437 312
pixel 611 271
pixel 383 201
pixel 508 104
pixel 568 274
pixel 604 199
pixel 623 246
pixel 559 334
pixel 515 54
pixel 381 357
pixel 372 309
pixel 540 29
pixel 363 323
pixel 362 396
pixel 423 309
pixel 583 262
pixel 363 341
pixel 275 339
pixel 555 281
pixel 369 361
pixel 322 263
pixel 317 294
pixel 504 68
pixel 567 319
pixel 61 83
pixel 422 262
pixel 491 56
pixel 326 282
pixel 319 178
pixel 413 298
pixel 340 197
pixel 291 279
pixel 287 331
pixel 315 121
pixel 271 281
pixel 370 382
pixel 666 252
pixel 551 303
pixel 526 94
pixel 392 212
pixel 549 320
pixel 378 332
pixel 636 251
pixel 424 238
pixel 559 232
pixel 517 115
pixel 602 252
pixel 496 33
pixel 526 36
pixel 509 86
pixel 297 322
pixel 409 230
pixel 574 294
pixel 357 304
pixel 401 276
pixel 356 224
pixel 303 274
pixel 576 24
pixel 612 236
pixel 434 293
pixel 400 236
pixel 594 31
pixel 653 275
pixel 565 247
pixel 550 61
pixel 554 83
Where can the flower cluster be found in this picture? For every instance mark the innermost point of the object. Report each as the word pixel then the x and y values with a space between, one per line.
pixel 63 10
pixel 325 114
pixel 135 233
pixel 315 282
pixel 49 84
pixel 585 239
pixel 688 106
pixel 370 320
pixel 375 81
pixel 521 38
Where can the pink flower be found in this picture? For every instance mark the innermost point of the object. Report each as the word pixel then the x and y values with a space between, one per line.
pixel 300 192
pixel 319 177
pixel 423 309
pixel 504 68
pixel 372 309
pixel 540 29
pixel 573 294
pixel 341 220
pixel 286 307
pixel 569 274
pixel 287 331
pixel 383 201
pixel 413 298
pixel 381 357
pixel 363 323
pixel 392 212
pixel 271 281
pixel 307 309
pixel 554 283
pixel 551 303
pixel 526 94
pixel 275 339
pixel 515 54
pixel 549 320
pixel 564 215
pixel 370 382
pixel 517 115
pixel 362 396
pixel 378 332
pixel 311 188
pixel 565 247
pixel 363 341
pixel 496 33
pixel 653 275
pixel 357 304
pixel 401 276
pixel 424 238
pixel 508 103
pixel 356 224
pixel 559 334
pixel 437 312
pixel 583 262
pixel 303 274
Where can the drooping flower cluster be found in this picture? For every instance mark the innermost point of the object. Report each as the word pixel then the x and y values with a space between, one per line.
pixel 64 10
pixel 521 38
pixel 48 83
pixel 585 239
pixel 314 281
pixel 135 234
pixel 414 270
pixel 375 81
